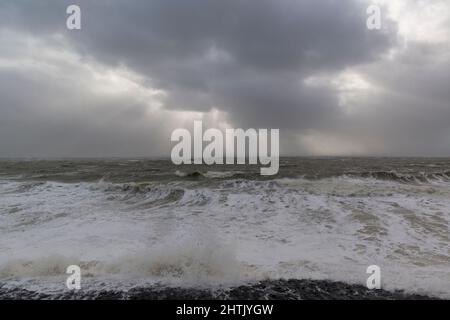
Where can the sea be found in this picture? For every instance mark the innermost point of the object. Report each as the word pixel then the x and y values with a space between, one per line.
pixel 140 223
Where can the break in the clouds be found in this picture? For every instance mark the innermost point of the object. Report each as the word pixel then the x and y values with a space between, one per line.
pixel 139 69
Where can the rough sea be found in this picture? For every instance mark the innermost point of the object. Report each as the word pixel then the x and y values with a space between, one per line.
pixel 141 223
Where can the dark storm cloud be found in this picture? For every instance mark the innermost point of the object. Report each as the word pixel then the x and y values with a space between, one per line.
pixel 249 59
pixel 262 47
pixel 245 57
pixel 259 34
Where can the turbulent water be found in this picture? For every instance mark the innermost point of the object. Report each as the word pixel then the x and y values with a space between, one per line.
pixel 131 223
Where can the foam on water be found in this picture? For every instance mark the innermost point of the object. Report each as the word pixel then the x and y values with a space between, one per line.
pixel 226 232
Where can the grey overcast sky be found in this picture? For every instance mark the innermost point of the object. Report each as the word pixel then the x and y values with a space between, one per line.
pixel 139 69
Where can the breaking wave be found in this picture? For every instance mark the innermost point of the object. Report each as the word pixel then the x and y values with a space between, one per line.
pixel 193 261
pixel 419 177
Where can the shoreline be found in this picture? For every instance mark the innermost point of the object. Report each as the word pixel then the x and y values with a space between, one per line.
pixel 292 289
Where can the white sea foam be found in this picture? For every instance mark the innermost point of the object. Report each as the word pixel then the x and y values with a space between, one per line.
pixel 237 230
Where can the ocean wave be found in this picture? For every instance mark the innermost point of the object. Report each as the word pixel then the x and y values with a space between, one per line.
pixel 418 177
pixel 388 175
pixel 193 174
pixel 13 187
pixel 211 174
pixel 140 195
pixel 192 262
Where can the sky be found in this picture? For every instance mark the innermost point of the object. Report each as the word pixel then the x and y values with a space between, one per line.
pixel 137 70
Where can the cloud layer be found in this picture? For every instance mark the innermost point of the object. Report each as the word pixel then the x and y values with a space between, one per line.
pixel 139 69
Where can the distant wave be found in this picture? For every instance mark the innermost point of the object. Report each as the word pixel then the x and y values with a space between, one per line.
pixel 414 177
pixel 212 174
pixel 418 177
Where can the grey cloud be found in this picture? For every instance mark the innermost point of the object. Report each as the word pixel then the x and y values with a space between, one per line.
pixel 248 59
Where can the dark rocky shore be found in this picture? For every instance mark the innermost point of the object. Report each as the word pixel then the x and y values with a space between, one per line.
pixel 265 290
